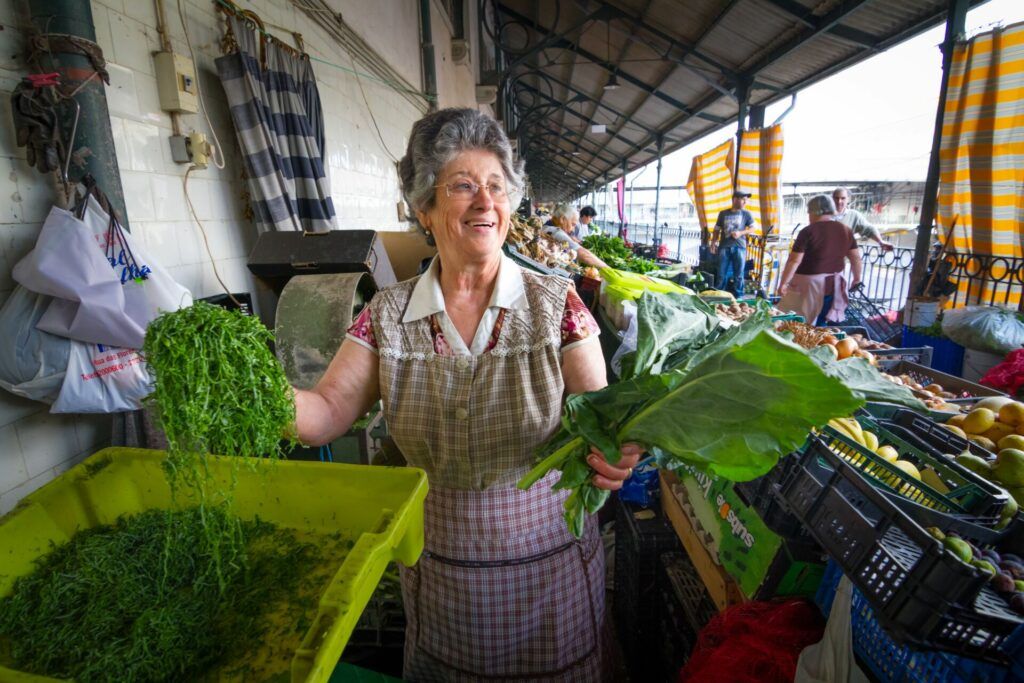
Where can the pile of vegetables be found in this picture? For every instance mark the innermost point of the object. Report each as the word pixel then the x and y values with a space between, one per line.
pixel 730 402
pixel 113 604
pixel 527 236
pixel 164 594
pixel 614 252
pixel 1005 571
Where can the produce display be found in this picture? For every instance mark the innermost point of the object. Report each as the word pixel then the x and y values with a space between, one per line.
pixel 740 311
pixel 852 429
pixel 997 425
pixel 614 252
pixel 933 395
pixel 809 337
pixel 528 238
pixel 1005 571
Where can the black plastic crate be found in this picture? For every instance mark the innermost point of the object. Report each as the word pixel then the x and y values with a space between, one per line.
pixel 684 606
pixel 922 594
pixel 934 436
pixel 639 543
pixel 762 494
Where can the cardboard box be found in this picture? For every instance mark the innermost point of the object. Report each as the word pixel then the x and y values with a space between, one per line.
pixel 762 563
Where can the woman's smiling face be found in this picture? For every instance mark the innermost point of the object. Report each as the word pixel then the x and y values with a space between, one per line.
pixel 470 216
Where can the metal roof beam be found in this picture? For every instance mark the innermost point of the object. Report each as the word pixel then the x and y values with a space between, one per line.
pixel 572 111
pixel 598 61
pixel 552 35
pixel 578 141
pixel 673 43
pixel 805 17
pixel 600 103
pixel 820 25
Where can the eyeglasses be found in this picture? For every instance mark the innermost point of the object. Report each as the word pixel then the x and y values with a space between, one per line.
pixel 465 189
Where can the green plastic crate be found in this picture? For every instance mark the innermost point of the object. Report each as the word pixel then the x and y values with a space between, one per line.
pixel 382 507
pixel 967 494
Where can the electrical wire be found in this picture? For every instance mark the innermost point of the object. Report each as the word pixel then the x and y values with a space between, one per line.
pixel 217 151
pixel 369 110
pixel 202 230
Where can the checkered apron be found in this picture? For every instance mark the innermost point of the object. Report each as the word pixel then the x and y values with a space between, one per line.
pixel 503 590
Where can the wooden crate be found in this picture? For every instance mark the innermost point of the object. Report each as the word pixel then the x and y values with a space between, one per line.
pixel 723 589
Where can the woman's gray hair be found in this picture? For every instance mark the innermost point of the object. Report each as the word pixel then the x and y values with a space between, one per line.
pixel 439 137
pixel 821 205
pixel 563 211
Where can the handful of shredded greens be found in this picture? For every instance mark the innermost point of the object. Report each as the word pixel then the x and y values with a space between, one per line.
pixel 217 388
pixel 614 252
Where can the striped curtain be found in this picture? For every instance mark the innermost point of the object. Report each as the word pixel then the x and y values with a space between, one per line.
pixel 760 174
pixel 981 158
pixel 710 182
pixel 275 106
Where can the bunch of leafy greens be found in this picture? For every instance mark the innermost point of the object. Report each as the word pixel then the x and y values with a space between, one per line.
pixel 112 603
pixel 730 401
pixel 614 252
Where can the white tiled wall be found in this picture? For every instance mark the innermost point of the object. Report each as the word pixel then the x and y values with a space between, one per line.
pixel 36 446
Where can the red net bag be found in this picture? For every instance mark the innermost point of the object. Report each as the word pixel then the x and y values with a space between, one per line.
pixel 754 642
pixel 1008 376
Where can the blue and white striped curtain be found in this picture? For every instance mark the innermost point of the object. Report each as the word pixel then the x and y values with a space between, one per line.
pixel 280 126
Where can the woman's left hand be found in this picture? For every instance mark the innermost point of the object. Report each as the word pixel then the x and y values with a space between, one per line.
pixel 611 477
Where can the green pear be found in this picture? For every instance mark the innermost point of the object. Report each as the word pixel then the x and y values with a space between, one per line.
pixel 1009 467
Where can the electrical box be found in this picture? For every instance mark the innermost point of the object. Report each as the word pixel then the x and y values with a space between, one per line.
pixel 176 82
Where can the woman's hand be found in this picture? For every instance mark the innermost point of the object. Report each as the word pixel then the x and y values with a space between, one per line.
pixel 608 476
pixel 783 288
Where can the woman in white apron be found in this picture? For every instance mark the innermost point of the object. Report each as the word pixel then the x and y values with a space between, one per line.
pixel 472 360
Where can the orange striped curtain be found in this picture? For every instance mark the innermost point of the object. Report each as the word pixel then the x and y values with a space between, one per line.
pixel 710 182
pixel 760 173
pixel 982 151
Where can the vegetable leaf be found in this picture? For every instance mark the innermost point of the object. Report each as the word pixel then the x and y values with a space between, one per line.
pixel 864 379
pixel 667 323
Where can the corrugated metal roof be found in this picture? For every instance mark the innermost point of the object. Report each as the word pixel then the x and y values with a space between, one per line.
pixel 679 65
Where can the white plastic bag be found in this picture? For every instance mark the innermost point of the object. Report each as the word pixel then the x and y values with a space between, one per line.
pixel 102 379
pixel 985 328
pixel 91 271
pixel 831 659
pixel 32 363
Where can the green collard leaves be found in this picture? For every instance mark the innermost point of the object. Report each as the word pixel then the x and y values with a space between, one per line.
pixel 738 411
pixel 864 380
pixel 740 408
pixel 667 324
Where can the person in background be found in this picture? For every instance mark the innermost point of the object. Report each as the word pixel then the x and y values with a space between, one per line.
pixel 730 241
pixel 587 224
pixel 812 282
pixel 562 225
pixel 471 362
pixel 855 220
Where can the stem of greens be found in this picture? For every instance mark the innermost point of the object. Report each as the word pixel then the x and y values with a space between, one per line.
pixel 549 463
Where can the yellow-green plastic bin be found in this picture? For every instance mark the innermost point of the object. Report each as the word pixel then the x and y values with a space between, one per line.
pixel 381 506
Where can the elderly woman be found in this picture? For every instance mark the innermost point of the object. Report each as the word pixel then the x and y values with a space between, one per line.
pixel 472 360
pixel 812 282
pixel 562 225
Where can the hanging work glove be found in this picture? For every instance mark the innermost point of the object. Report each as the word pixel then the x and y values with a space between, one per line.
pixel 35 120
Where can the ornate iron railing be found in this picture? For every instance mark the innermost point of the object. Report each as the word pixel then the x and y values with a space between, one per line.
pixel 979 278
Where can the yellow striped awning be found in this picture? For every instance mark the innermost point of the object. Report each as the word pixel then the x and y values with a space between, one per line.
pixel 760 173
pixel 981 156
pixel 710 182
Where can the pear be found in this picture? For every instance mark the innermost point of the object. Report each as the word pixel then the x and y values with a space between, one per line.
pixel 1012 441
pixel 1009 467
pixel 1012 413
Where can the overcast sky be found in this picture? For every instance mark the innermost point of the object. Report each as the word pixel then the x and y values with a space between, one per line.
pixel 872 121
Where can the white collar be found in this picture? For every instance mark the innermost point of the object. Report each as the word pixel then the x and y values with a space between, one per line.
pixel 427 298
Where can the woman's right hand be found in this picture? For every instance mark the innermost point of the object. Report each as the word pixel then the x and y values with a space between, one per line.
pixel 783 288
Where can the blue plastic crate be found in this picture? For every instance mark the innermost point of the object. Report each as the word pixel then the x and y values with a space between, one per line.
pixel 947 355
pixel 894 663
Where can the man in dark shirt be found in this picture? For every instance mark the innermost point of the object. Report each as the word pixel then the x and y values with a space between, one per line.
pixel 812 282
pixel 730 238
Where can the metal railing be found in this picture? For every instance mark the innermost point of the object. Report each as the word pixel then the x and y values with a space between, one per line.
pixel 985 279
pixel 980 279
